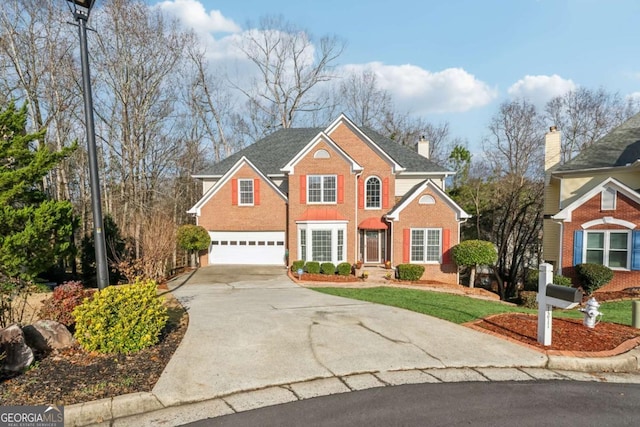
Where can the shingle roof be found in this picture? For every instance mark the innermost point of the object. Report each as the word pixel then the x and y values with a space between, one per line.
pixel 273 152
pixel 270 153
pixel 405 156
pixel 619 147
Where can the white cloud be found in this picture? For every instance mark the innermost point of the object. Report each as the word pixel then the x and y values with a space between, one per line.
pixel 193 14
pixel 422 91
pixel 540 89
pixel 633 97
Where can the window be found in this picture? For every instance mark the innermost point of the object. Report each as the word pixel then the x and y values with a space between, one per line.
pixel 426 245
pixel 321 154
pixel 372 191
pixel 245 189
pixel 608 202
pixel 322 242
pixel 321 245
pixel 321 188
pixel 303 244
pixel 610 248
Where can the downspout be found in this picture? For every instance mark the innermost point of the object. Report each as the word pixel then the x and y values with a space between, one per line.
pixel 356 233
pixel 459 230
pixel 559 266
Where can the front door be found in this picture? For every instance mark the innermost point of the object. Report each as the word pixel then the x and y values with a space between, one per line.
pixel 371 247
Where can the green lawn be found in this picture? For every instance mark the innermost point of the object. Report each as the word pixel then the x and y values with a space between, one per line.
pixel 461 309
pixel 454 308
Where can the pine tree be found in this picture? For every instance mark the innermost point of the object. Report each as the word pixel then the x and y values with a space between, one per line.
pixel 34 229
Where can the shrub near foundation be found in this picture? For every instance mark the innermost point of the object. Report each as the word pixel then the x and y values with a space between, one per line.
pixel 312 267
pixel 328 268
pixel 344 269
pixel 121 319
pixel 410 271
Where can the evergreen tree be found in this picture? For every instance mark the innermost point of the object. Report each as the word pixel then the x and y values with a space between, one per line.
pixel 34 229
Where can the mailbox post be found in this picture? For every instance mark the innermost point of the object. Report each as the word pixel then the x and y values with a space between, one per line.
pixel 549 296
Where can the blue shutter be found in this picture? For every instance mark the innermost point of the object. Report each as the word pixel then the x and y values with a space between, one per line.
pixel 635 250
pixel 577 246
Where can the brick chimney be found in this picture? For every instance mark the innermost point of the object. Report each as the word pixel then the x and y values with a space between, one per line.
pixel 422 147
pixel 551 151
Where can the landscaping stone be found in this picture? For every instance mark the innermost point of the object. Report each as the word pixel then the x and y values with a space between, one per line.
pixel 17 353
pixel 47 335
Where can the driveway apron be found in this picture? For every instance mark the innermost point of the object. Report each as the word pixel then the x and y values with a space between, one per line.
pixel 251 327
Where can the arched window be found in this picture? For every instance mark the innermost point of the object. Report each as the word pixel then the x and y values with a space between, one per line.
pixel 321 154
pixel 373 188
pixel 427 200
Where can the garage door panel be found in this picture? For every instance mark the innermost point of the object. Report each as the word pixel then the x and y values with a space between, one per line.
pixel 241 247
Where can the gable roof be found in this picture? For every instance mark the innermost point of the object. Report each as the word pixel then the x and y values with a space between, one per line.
pixel 225 178
pixel 289 167
pixel 417 189
pixel 619 148
pixel 565 214
pixel 273 152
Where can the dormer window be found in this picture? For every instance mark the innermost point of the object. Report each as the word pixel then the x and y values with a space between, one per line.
pixel 608 202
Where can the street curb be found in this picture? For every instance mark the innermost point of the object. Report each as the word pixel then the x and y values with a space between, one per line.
pixel 105 410
pixel 627 362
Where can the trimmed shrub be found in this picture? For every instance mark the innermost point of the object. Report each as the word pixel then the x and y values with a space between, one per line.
pixel 531 283
pixel 312 267
pixel 344 269
pixel 410 271
pixel 297 265
pixel 528 299
pixel 593 276
pixel 474 252
pixel 328 268
pixel 121 319
pixel 64 299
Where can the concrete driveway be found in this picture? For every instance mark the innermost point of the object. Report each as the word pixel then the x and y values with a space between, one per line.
pixel 251 327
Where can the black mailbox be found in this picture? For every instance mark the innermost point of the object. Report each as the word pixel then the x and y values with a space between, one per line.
pixel 564 293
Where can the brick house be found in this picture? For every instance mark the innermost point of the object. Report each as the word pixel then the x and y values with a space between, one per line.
pixel 336 194
pixel 592 205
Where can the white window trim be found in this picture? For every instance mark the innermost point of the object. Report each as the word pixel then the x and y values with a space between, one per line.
pixel 426 230
pixel 372 208
pixel 253 195
pixel 606 249
pixel 322 201
pixel 332 226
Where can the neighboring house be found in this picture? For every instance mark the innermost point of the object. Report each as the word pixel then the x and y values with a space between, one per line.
pixel 335 194
pixel 592 206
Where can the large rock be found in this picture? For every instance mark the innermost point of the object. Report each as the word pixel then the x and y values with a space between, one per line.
pixel 47 335
pixel 17 353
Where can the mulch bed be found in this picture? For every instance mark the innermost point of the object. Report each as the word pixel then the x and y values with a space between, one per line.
pixel 567 334
pixel 331 278
pixel 73 375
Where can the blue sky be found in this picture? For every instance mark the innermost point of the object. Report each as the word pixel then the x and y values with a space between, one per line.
pixel 456 60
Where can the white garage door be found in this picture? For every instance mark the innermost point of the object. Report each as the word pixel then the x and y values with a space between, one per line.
pixel 247 247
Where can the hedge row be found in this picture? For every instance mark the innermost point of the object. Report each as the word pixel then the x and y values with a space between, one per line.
pixel 314 267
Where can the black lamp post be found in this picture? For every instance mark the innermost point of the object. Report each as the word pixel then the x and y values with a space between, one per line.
pixel 81 10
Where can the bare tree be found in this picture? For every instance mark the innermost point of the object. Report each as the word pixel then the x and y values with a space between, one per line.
pixel 139 59
pixel 514 145
pixel 289 66
pixel 364 102
pixel 35 59
pixel 585 115
pixel 407 130
pixel 212 104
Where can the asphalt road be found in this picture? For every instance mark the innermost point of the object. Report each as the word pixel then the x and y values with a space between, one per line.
pixel 544 403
